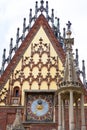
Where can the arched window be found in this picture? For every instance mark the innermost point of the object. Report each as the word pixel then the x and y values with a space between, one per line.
pixel 16 92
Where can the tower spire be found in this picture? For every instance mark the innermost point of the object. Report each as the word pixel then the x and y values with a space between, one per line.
pixel 71 90
pixel 69 71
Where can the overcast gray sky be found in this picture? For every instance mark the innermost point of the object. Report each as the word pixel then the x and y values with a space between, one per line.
pixel 12 13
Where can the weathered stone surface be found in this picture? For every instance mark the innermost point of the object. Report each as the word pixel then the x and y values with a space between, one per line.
pixel 17 125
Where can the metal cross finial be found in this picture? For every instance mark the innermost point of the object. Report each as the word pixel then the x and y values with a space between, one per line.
pixel 69 25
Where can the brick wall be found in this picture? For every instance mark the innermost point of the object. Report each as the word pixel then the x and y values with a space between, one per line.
pixel 7 116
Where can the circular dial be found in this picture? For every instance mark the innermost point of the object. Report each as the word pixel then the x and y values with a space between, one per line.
pixel 39 107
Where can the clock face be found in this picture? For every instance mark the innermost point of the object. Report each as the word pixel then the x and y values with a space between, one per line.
pixel 39 107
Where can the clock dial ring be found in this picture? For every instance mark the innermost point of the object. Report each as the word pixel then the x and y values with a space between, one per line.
pixel 39 107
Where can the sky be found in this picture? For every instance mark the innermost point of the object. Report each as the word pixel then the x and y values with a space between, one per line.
pixel 12 13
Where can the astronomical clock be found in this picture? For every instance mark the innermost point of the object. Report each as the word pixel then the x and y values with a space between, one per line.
pixel 39 107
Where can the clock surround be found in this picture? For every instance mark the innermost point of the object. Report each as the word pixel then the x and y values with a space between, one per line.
pixel 39 107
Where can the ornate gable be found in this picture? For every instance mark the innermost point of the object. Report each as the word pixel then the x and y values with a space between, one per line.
pixel 36 65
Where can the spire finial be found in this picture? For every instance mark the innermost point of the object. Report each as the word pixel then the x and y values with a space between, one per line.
pixel 69 29
pixel 69 25
pixel 83 72
pixel 42 2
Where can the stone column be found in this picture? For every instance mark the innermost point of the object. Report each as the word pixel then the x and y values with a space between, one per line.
pixel 54 111
pixel 59 113
pixel 83 126
pixel 77 116
pixel 71 113
pixel 63 115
